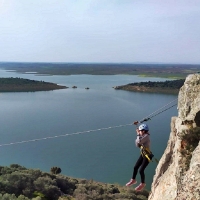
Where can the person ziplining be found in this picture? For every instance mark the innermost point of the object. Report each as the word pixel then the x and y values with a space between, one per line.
pixel 143 142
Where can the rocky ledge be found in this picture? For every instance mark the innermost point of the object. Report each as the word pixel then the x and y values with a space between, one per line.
pixel 178 172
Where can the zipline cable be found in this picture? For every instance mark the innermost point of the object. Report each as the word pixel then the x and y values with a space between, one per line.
pixel 163 111
pixel 94 130
pixel 157 112
pixel 64 135
pixel 161 108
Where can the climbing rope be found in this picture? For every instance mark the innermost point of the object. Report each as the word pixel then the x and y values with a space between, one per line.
pixel 157 112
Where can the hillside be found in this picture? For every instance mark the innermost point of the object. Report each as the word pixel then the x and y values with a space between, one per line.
pixel 26 85
pixel 171 87
pixel 27 184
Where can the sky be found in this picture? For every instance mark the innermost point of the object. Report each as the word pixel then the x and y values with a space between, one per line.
pixel 106 31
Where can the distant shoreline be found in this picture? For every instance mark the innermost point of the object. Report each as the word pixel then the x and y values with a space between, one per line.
pixel 172 71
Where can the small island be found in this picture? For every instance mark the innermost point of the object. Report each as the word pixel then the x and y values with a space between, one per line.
pixel 170 87
pixel 25 85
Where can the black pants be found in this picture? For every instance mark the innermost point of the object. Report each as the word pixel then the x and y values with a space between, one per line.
pixel 142 164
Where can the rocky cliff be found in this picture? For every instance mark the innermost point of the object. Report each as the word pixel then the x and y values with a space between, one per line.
pixel 178 172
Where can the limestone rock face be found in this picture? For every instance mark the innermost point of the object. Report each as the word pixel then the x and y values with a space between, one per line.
pixel 178 172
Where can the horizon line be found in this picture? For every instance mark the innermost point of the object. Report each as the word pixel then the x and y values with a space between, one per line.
pixel 119 63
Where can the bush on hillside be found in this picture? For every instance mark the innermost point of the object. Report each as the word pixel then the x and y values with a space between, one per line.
pixel 19 183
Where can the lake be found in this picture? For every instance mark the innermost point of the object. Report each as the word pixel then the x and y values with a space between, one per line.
pixel 104 155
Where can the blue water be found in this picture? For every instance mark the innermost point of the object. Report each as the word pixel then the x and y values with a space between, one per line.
pixel 106 155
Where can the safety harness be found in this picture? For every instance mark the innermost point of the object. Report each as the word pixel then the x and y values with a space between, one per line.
pixel 146 153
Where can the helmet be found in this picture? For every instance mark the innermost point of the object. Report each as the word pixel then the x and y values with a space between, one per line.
pixel 143 127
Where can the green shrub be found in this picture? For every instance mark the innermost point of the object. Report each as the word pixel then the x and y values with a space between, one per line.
pixel 12 197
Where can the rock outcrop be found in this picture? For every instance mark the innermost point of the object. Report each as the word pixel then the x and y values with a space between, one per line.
pixel 178 172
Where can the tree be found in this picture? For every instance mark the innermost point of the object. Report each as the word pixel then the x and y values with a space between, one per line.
pixel 55 170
